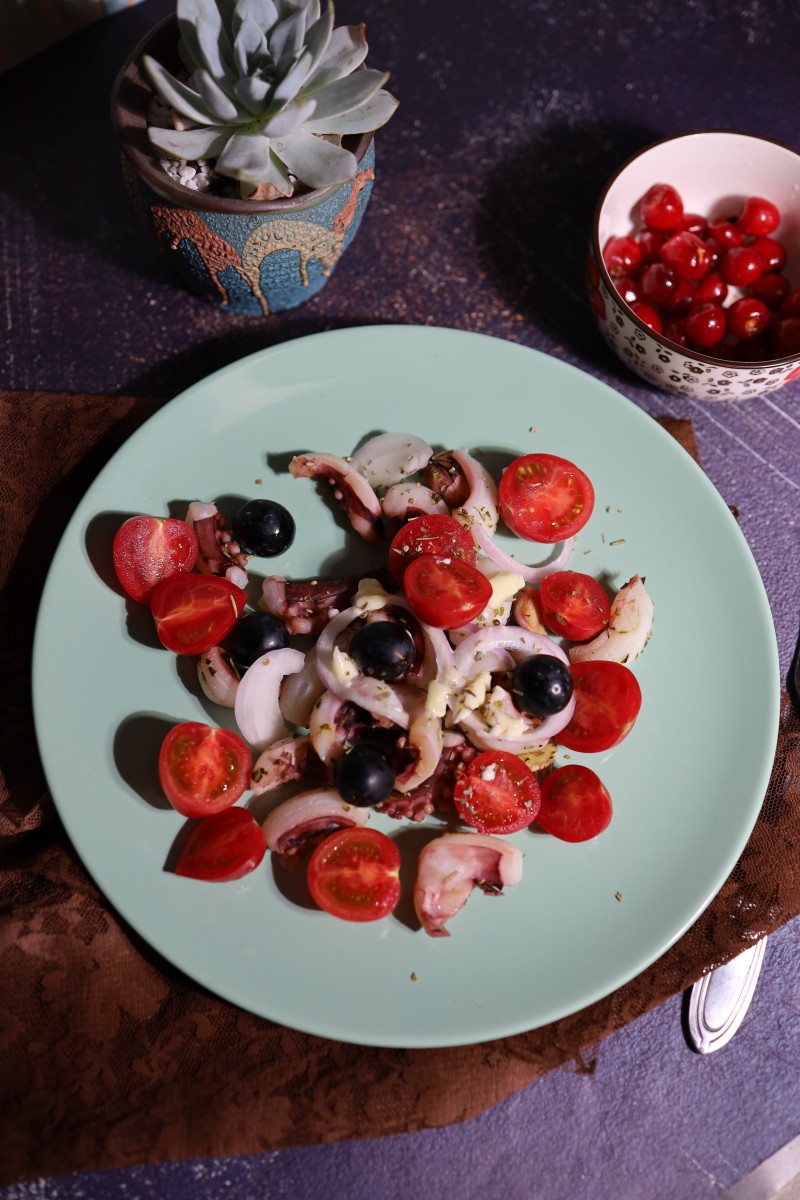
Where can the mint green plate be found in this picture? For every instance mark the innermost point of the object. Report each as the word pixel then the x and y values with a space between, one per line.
pixel 687 784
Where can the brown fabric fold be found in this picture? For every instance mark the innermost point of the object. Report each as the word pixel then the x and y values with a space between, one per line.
pixel 108 1055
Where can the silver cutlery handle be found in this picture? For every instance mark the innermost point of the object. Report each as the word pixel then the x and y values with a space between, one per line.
pixel 718 1002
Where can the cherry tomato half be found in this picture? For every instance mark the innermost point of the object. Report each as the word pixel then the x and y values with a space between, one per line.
pixel 445 592
pixel 223 847
pixel 573 605
pixel 607 703
pixel 434 533
pixel 149 549
pixel 195 612
pixel 576 805
pixel 354 874
pixel 545 498
pixel 203 770
pixel 497 793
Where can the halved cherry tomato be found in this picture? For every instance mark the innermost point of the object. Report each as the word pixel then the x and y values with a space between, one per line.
pixel 203 770
pixel 434 533
pixel 445 592
pixel 607 703
pixel 576 805
pixel 149 549
pixel 545 498
pixel 223 847
pixel 497 793
pixel 354 874
pixel 573 605
pixel 195 612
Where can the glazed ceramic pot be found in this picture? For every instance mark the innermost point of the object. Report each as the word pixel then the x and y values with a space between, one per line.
pixel 247 257
pixel 714 171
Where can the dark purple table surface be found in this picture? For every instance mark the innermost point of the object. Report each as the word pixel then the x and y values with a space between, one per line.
pixel 512 117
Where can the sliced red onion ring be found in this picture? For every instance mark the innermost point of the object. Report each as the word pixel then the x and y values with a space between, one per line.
pixel 390 458
pixel 323 726
pixel 425 738
pixel 383 700
pixel 474 654
pixel 257 706
pixel 406 500
pixel 629 627
pixel 480 506
pixel 217 677
pixel 482 652
pixel 300 692
pixel 493 737
pixel 532 575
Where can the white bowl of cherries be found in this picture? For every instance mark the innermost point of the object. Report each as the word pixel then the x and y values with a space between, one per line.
pixel 694 269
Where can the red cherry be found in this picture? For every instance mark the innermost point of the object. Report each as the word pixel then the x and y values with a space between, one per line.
pixel 791 305
pixel 784 337
pixel 758 217
pixel 772 289
pixel 705 325
pixel 659 283
pixel 622 256
pixel 715 253
pixel 713 288
pixel 650 244
pixel 628 289
pixel 647 315
pixel 748 317
pixel 694 223
pixel 725 234
pixel 772 251
pixel 676 332
pixel 684 296
pixel 741 266
pixel 661 208
pixel 687 254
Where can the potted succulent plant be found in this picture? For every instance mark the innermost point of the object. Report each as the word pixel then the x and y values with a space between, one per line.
pixel 247 134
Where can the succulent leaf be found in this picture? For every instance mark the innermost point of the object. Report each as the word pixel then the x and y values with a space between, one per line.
pixel 272 88
pixel 318 37
pixel 246 156
pixel 252 94
pixel 372 115
pixel 190 144
pixel 177 94
pixel 312 10
pixel 286 121
pixel 317 162
pixel 291 83
pixel 346 51
pixel 348 93
pixel 263 12
pixel 205 42
pixel 218 103
pixel 287 36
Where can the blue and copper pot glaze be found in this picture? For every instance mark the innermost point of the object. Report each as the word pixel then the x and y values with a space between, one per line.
pixel 246 257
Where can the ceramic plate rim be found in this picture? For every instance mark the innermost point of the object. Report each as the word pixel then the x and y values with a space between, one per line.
pixel 364 343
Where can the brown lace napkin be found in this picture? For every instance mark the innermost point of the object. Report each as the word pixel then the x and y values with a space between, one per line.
pixel 108 1056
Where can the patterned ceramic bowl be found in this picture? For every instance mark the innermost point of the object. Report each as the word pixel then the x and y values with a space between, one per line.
pixel 714 172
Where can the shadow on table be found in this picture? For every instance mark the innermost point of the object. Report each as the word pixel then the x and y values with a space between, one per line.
pixel 534 221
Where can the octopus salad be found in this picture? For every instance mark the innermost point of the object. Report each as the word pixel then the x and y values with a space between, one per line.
pixel 439 685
